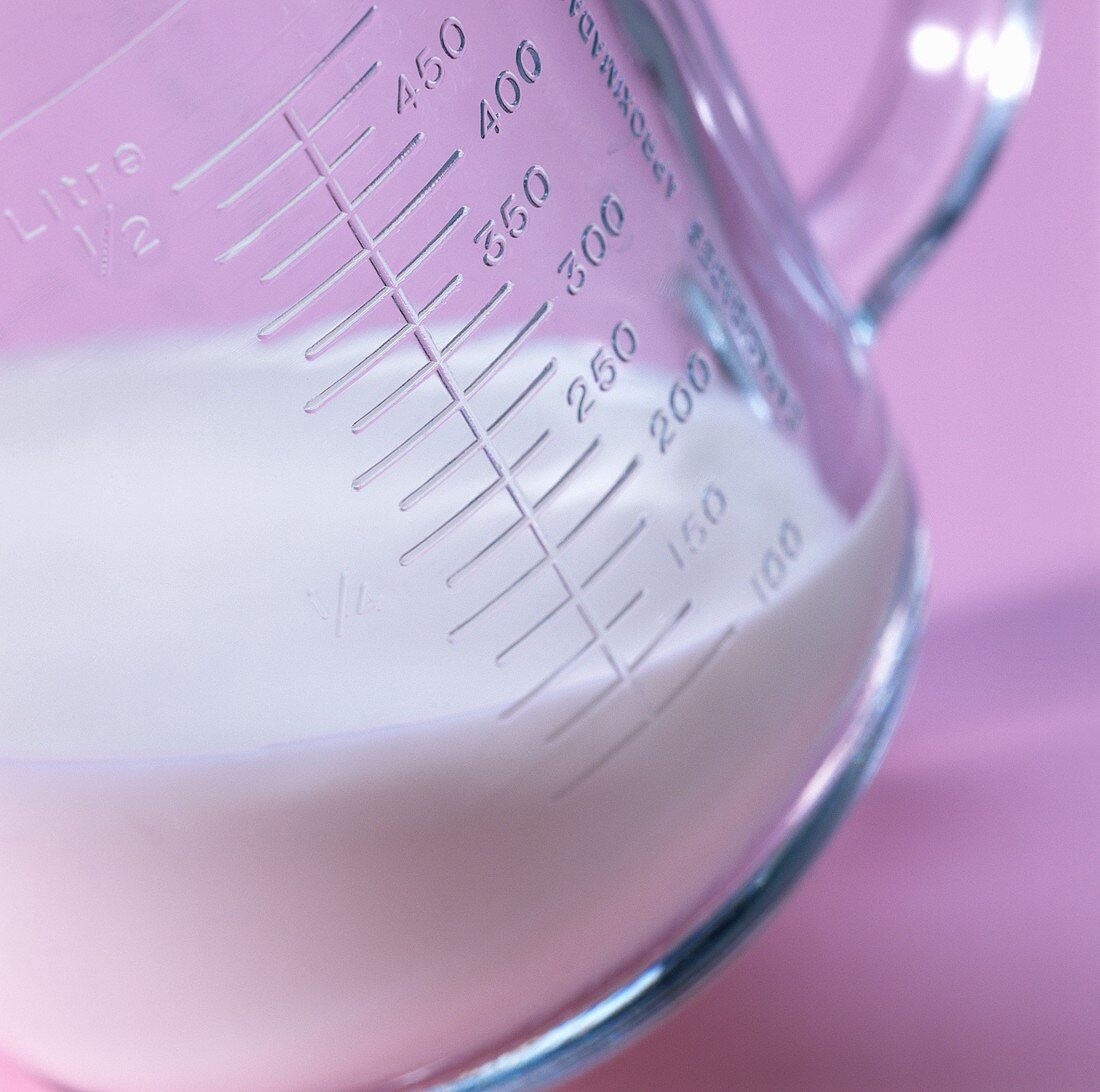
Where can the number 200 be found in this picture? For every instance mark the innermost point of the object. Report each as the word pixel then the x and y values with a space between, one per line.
pixel 681 401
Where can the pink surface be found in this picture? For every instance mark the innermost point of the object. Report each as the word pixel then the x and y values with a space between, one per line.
pixel 948 937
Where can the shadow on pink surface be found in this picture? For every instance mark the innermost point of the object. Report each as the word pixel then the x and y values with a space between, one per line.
pixel 947 939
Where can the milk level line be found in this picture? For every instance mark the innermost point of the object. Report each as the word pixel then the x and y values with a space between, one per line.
pixel 374 358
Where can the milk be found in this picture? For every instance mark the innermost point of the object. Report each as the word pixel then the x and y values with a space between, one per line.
pixel 276 814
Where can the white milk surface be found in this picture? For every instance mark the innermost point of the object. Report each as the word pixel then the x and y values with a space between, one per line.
pixel 272 819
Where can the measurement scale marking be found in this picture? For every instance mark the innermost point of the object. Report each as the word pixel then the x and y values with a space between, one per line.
pixel 334 278
pixel 696 671
pixel 599 631
pixel 558 671
pixel 470 509
pixel 300 252
pixel 448 470
pixel 245 189
pixel 406 446
pixel 453 408
pixel 239 194
pixel 350 149
pixel 600 569
pixel 486 551
pixel 584 776
pixel 509 479
pixel 312 296
pixel 478 558
pixel 389 169
pixel 615 554
pixel 394 398
pixel 459 396
pixel 633 734
pixel 452 346
pixel 344 99
pixel 347 209
pixel 524 398
pixel 419 198
pixel 505 536
pixel 510 350
pixel 623 611
pixel 585 710
pixel 238 140
pixel 499 597
pixel 347 324
pixel 664 633
pixel 619 483
pixel 575 467
pixel 532 630
pixel 372 359
pixel 472 450
pixel 257 232
pixel 476 322
pixel 553 613
pixel 283 209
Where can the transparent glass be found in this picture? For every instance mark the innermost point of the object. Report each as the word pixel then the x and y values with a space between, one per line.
pixel 456 567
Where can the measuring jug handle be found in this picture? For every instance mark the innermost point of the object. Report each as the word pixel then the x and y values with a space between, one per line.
pixel 951 76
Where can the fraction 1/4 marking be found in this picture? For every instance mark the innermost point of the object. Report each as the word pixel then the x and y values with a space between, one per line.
pixel 349 604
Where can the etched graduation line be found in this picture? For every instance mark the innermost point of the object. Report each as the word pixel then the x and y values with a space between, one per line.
pixel 238 140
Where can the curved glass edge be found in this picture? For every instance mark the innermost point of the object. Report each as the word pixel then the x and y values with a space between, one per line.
pixel 893 270
pixel 604 1026
pixel 963 188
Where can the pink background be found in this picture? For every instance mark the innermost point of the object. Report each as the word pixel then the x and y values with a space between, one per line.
pixel 949 937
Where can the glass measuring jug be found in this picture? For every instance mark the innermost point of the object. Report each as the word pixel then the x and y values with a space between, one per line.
pixel 456 567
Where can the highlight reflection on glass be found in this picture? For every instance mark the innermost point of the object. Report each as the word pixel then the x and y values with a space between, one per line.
pixel 934 48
